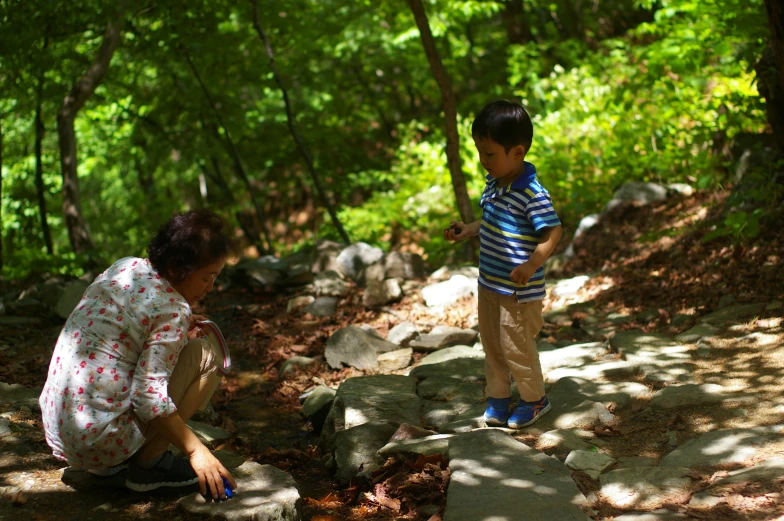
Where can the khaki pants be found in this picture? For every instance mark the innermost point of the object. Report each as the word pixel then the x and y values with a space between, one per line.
pixel 508 332
pixel 198 362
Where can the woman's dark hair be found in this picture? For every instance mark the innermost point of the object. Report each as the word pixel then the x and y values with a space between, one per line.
pixel 506 123
pixel 188 242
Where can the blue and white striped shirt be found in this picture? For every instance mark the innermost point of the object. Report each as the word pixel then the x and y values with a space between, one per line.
pixel 513 218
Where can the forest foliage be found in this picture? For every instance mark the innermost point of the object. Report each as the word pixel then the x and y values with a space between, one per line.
pixel 619 91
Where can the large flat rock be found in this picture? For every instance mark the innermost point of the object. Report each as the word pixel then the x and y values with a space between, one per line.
pixel 263 493
pixel 720 448
pixel 645 488
pixel 390 398
pixel 495 477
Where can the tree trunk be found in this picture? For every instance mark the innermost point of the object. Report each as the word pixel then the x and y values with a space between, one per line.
pixel 78 231
pixel 293 129
pixel 517 28
pixel 1 197
pixel 450 112
pixel 39 169
pixel 771 71
pixel 238 166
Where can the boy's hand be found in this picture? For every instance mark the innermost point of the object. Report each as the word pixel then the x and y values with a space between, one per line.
pixel 457 231
pixel 522 273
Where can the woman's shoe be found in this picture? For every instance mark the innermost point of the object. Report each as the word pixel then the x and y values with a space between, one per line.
pixel 170 471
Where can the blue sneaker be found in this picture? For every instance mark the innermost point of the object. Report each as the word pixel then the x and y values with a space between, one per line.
pixel 527 413
pixel 497 410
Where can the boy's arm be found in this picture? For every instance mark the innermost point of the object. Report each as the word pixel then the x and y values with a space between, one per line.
pixel 544 249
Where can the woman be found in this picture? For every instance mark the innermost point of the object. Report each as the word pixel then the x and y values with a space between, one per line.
pixel 131 365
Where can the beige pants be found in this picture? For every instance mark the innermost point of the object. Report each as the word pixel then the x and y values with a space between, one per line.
pixel 508 332
pixel 198 363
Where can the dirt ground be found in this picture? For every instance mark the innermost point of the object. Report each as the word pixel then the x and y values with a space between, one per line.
pixel 639 259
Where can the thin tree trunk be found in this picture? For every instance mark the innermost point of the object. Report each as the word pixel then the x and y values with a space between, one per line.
pixel 292 128
pixel 39 168
pixel 450 112
pixel 1 197
pixel 235 155
pixel 772 80
pixel 78 231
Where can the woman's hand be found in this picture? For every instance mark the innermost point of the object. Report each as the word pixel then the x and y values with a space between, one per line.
pixel 194 331
pixel 210 470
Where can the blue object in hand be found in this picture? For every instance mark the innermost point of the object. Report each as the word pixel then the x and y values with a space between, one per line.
pixel 227 488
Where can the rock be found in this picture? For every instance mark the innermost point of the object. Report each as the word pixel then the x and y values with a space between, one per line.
pixel 354 259
pixel 291 365
pixel 662 514
pixel 697 332
pixel 680 188
pixel 587 414
pixel 566 440
pixel 381 292
pixel 586 223
pixel 318 400
pixel 571 391
pixel 19 321
pixel 449 292
pixel 468 421
pixel 50 292
pixel 355 347
pixel 5 428
pixel 436 414
pixel 645 488
pixel 767 472
pixel 372 273
pixel 649 315
pixel 370 329
pixel 325 257
pixel 443 336
pixel 18 395
pixel 229 459
pixel 613 369
pixel 450 353
pixel 330 284
pixel 404 265
pixel 264 493
pixel 688 395
pixel 720 448
pixel 298 303
pixel 403 333
pixel 470 369
pixel 592 463
pixel 437 444
pixel 734 313
pixel 265 272
pixel 389 398
pixel 406 431
pixel 567 287
pixel 705 500
pixel 322 307
pixel 642 193
pixel 209 435
pixel 356 448
pixel 443 388
pixel 575 355
pixel 631 342
pixel 395 360
pixel 496 477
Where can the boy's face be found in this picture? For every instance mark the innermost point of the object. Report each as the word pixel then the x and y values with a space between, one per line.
pixel 496 160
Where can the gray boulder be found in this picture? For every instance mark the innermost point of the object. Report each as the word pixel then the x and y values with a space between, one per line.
pixel 404 265
pixel 450 291
pixel 353 260
pixel 444 336
pixel 403 333
pixel 356 449
pixel 355 347
pixel 322 307
pixel 329 284
pixel 264 493
pixel 380 292
pixel 72 294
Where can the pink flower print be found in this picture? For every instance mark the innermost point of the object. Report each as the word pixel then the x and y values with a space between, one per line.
pixel 57 361
pixel 90 323
pixel 88 425
pixel 81 408
pixel 166 327
pixel 76 335
pixel 130 373
pixel 150 389
pixel 175 315
pixel 123 336
pixel 82 364
pixel 110 400
pixel 91 356
pixel 84 437
pixel 100 370
pixel 125 451
pixel 124 388
pixel 155 409
pixel 171 356
pixel 115 346
pixel 169 290
pixel 92 379
pixel 145 321
pixel 95 459
pixel 119 441
pixel 61 422
pixel 144 363
pixel 116 377
pixel 126 286
pixel 102 311
pixel 119 318
pixel 142 290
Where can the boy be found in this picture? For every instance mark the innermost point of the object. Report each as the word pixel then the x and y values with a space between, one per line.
pixel 517 232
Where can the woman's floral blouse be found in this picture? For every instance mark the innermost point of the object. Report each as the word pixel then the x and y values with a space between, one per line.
pixel 112 362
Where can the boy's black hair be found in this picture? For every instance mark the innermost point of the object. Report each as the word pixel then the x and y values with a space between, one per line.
pixel 505 122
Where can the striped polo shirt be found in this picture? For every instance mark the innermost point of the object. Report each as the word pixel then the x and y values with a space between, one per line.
pixel 513 218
